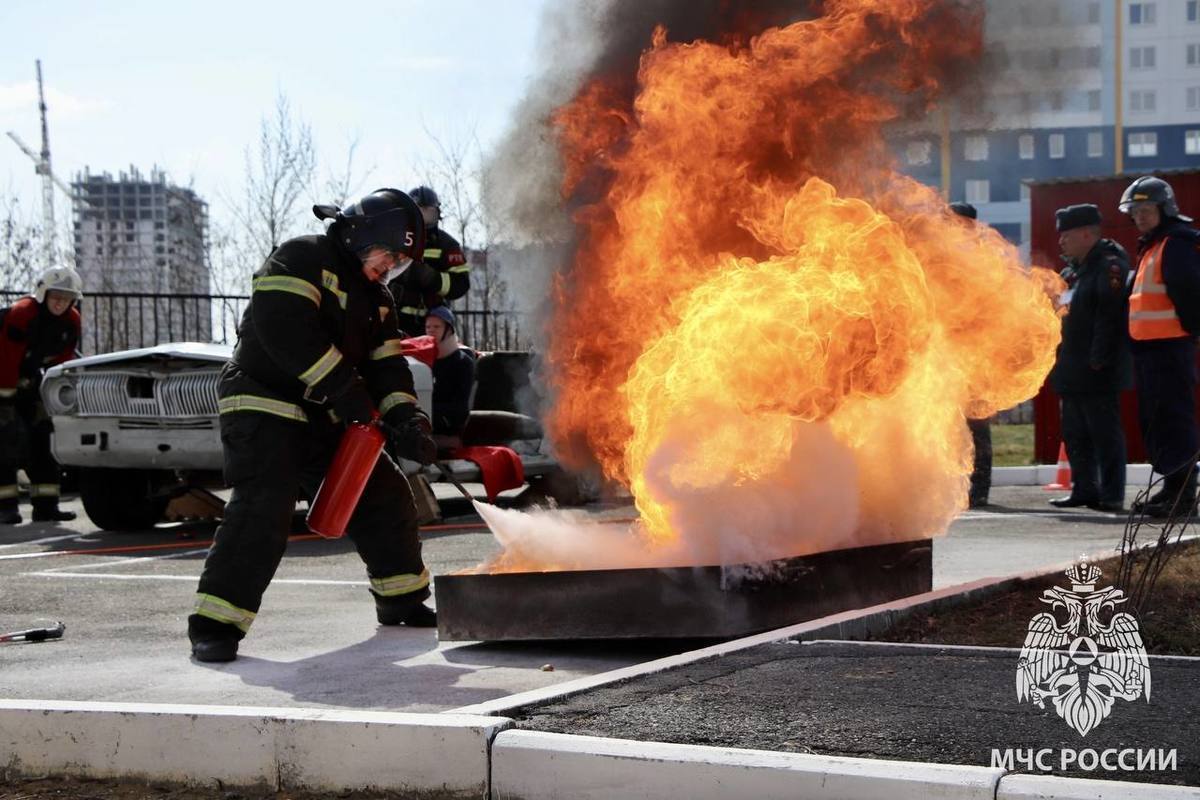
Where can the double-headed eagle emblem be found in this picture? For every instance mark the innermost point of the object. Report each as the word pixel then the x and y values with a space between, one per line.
pixel 1084 664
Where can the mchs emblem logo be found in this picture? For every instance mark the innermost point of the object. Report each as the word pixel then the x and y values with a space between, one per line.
pixel 1083 664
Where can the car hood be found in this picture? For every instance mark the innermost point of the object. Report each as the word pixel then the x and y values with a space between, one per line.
pixel 200 351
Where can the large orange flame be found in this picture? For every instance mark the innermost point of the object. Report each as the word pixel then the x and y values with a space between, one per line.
pixel 766 329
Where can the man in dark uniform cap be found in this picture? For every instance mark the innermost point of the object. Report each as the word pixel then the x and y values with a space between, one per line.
pixel 1093 364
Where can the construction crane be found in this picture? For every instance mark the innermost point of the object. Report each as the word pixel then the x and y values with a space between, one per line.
pixel 42 167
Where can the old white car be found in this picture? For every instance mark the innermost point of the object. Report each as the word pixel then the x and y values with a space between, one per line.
pixel 141 427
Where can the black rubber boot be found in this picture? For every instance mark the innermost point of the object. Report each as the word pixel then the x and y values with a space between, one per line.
pixel 215 650
pixel 50 512
pixel 10 516
pixel 1139 506
pixel 1177 498
pixel 212 641
pixel 416 614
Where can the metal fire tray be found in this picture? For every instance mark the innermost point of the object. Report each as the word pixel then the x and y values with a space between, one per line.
pixel 677 602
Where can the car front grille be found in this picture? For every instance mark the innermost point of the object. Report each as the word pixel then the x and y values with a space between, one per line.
pixel 146 396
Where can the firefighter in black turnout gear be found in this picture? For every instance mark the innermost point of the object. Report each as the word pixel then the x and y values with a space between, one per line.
pixel 317 348
pixel 36 332
pixel 440 275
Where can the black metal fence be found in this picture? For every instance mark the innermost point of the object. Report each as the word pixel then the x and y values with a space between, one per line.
pixel 124 320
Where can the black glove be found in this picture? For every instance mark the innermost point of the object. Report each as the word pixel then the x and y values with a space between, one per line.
pixel 413 439
pixel 354 404
pixel 421 277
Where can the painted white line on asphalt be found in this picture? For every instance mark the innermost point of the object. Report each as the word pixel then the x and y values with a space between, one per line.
pixel 46 540
pixel 985 650
pixel 192 578
pixel 124 562
pixel 41 554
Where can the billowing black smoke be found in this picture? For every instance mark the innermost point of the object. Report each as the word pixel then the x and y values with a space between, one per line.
pixel 589 39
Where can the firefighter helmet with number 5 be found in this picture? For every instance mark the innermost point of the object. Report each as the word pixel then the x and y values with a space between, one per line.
pixel 386 218
pixel 58 279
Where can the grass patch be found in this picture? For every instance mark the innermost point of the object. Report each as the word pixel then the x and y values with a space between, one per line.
pixel 1170 623
pixel 1012 445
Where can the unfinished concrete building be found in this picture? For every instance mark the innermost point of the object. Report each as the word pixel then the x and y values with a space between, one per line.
pixel 141 249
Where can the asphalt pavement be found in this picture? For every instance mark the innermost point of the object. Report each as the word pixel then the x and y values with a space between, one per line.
pixel 869 700
pixel 125 598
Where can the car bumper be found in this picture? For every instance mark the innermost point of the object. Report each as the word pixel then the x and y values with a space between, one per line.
pixel 137 444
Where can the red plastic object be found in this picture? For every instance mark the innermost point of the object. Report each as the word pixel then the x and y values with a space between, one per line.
pixel 422 348
pixel 348 473
pixel 501 467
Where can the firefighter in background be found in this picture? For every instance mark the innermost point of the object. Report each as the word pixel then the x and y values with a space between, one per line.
pixel 443 274
pixel 318 347
pixel 981 429
pixel 37 332
pixel 1164 319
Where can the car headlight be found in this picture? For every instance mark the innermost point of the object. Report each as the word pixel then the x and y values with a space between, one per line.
pixel 60 397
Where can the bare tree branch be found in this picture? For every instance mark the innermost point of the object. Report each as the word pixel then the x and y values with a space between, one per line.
pixel 341 186
pixel 21 244
pixel 279 175
pixel 455 171
pixel 273 206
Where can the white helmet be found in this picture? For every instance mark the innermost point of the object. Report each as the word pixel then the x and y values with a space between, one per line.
pixel 60 279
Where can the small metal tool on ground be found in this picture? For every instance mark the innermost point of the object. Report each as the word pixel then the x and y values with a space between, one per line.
pixel 35 634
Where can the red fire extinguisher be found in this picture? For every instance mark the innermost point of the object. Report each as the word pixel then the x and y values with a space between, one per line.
pixel 348 473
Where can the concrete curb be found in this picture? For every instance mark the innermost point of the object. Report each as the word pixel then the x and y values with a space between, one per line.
pixel 1046 787
pixel 534 764
pixel 425 755
pixel 1042 474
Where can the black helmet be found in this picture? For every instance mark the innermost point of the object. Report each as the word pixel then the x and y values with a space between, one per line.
pixel 384 218
pixel 1149 189
pixel 426 197
pixel 964 210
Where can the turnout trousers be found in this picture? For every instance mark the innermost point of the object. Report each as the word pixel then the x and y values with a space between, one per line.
pixel 1095 440
pixel 981 473
pixel 28 447
pixel 1166 385
pixel 269 462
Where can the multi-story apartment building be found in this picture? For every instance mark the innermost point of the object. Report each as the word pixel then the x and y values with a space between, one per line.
pixel 1070 88
pixel 137 235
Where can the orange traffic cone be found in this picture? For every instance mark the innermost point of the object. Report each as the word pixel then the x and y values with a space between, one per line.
pixel 1062 479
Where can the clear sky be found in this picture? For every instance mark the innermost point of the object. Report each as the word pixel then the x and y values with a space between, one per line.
pixel 184 84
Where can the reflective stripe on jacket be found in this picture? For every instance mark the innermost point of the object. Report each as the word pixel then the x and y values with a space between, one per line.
pixel 1151 312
